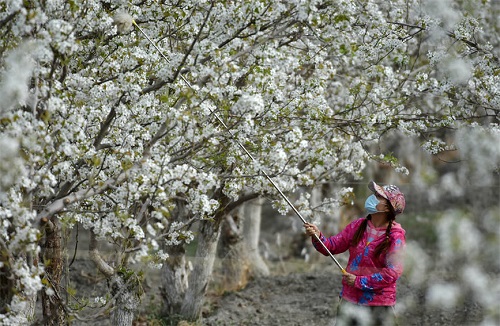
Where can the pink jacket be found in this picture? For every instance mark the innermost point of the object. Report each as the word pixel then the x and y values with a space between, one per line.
pixel 376 278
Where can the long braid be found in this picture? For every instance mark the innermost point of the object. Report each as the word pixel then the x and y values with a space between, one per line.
pixel 360 231
pixel 384 246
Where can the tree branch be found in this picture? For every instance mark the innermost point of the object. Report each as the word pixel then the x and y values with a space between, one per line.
pixel 196 39
pixel 95 256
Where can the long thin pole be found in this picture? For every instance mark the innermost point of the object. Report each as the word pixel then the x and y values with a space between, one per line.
pixel 243 148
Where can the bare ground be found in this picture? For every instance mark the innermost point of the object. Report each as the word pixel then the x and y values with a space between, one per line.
pixel 311 298
pixel 303 294
pixel 296 293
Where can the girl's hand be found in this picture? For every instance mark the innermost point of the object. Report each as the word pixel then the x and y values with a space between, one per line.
pixel 311 230
pixel 349 278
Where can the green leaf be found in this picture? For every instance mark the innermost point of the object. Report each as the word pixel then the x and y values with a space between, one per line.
pixel 340 18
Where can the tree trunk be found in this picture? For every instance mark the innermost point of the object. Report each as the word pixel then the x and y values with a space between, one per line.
pixel 123 287
pixel 30 310
pixel 252 212
pixel 8 288
pixel 306 248
pixel 7 283
pixel 209 232
pixel 234 267
pixel 53 309
pixel 175 273
pixel 127 301
pixel 240 246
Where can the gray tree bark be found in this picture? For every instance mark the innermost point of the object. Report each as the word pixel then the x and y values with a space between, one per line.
pixel 252 212
pixel 234 269
pixel 52 305
pixel 209 232
pixel 127 301
pixel 175 273
pixel 8 285
pixel 123 288
pixel 240 246
pixel 188 291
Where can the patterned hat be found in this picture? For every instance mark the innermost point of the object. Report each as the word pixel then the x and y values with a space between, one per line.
pixel 392 194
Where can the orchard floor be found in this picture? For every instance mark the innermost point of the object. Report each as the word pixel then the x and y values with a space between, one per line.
pixel 292 295
pixel 310 298
pixel 295 295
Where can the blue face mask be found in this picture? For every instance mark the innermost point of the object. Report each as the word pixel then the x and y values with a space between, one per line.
pixel 371 204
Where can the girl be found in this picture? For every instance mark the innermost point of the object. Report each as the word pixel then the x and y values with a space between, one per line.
pixel 375 245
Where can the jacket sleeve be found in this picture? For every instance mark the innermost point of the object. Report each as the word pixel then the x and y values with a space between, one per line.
pixel 337 243
pixel 390 273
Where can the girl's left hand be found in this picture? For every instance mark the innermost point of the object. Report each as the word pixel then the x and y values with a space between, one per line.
pixel 312 230
pixel 349 278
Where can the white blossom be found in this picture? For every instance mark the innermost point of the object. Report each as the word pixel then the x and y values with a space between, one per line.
pixel 308 89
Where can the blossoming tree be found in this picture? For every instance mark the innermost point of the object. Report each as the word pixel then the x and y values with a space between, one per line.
pixel 100 130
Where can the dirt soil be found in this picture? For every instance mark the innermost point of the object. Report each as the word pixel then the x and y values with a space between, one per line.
pixel 296 293
pixel 311 298
pixel 301 293
pixel 293 297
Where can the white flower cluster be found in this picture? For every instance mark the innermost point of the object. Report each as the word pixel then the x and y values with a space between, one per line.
pixel 17 69
pixel 100 301
pixel 435 146
pixel 201 204
pixel 89 111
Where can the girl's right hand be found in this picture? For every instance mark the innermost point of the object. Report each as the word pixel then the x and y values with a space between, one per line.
pixel 311 230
